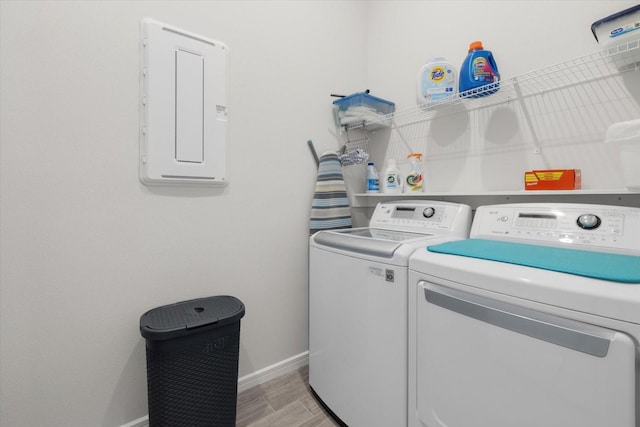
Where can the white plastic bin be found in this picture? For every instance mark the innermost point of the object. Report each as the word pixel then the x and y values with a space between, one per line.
pixel 626 136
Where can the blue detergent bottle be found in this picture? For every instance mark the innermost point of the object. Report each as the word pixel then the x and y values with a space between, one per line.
pixel 479 73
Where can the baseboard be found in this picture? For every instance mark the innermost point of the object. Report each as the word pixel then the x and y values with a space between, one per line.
pixel 140 422
pixel 258 377
pixel 280 368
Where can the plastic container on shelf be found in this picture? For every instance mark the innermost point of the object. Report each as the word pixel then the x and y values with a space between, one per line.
pixel 479 75
pixel 373 180
pixel 414 180
pixel 618 29
pixel 392 182
pixel 362 108
pixel 626 137
pixel 630 161
pixel 436 81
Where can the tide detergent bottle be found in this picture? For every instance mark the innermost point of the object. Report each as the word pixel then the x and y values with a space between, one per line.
pixel 436 81
pixel 478 69
pixel 392 181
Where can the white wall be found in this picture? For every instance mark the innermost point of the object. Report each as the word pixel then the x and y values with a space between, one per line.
pixel 491 149
pixel 86 249
pixel 523 35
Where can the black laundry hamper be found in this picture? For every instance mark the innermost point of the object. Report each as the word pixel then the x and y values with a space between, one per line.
pixel 192 362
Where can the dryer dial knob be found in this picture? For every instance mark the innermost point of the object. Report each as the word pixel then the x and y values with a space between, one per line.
pixel 428 212
pixel 588 221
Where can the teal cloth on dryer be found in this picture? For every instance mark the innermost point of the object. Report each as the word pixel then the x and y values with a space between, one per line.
pixel 597 265
pixel 330 206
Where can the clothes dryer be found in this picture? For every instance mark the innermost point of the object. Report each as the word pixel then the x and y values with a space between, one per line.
pixel 358 308
pixel 533 321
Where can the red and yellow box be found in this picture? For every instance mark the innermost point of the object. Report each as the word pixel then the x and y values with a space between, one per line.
pixel 553 179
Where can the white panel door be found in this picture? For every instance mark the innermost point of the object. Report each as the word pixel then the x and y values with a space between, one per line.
pixel 485 363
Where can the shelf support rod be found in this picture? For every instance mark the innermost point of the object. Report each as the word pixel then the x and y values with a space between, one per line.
pixel 313 152
pixel 404 141
pixel 516 86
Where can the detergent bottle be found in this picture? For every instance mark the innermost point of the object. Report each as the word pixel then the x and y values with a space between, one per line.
pixel 478 69
pixel 392 183
pixel 436 81
pixel 414 180
pixel 373 181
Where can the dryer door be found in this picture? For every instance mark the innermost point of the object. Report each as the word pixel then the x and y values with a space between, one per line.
pixel 486 363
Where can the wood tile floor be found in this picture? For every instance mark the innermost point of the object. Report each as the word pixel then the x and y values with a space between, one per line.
pixel 285 401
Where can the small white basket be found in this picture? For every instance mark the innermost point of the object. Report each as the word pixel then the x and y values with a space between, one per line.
pixel 626 136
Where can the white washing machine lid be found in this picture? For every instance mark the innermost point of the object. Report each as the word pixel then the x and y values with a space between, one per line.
pixel 615 300
pixel 381 234
pixel 368 241
pixel 397 229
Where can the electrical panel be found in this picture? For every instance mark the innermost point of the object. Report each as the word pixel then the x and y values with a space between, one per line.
pixel 184 108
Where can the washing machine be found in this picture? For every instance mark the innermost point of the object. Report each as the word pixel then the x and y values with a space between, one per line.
pixel 358 308
pixel 533 321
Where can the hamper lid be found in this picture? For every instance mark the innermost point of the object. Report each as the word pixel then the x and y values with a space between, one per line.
pixel 186 317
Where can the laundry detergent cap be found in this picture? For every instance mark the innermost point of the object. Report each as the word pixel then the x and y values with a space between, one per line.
pixel 476 45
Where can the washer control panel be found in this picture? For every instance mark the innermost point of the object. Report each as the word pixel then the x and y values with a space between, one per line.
pixel 605 228
pixel 423 216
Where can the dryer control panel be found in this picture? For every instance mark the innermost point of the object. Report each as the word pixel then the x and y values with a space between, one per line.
pixel 423 216
pixel 582 226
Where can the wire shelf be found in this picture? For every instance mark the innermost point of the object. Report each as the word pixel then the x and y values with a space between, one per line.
pixel 594 71
pixel 566 105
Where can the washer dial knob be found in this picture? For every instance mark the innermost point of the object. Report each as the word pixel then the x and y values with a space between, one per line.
pixel 428 212
pixel 589 221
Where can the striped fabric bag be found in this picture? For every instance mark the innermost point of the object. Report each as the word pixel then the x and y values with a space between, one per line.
pixel 330 207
